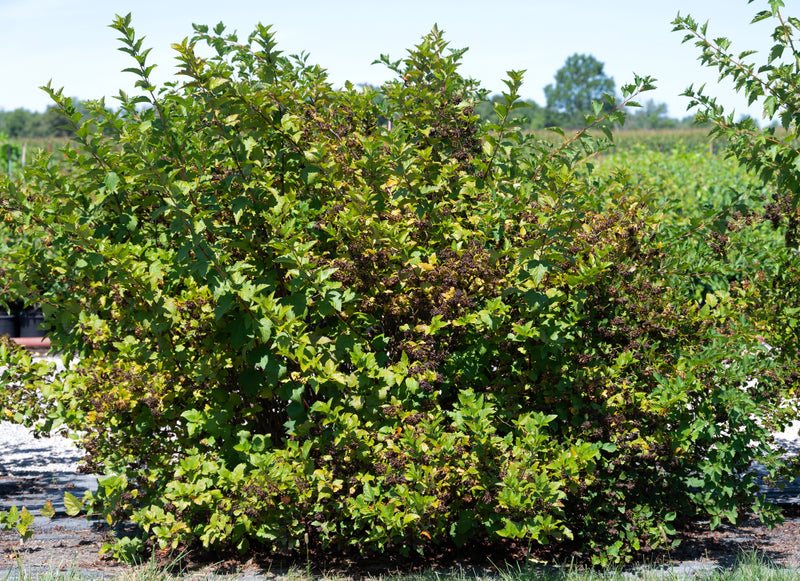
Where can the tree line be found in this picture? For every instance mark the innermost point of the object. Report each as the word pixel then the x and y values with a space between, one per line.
pixel 21 122
pixel 579 82
pixel 532 116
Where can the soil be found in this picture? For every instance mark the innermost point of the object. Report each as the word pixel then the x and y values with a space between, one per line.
pixel 60 542
pixel 724 546
pixel 58 546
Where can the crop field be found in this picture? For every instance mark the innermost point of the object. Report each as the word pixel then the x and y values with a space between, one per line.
pixel 685 178
pixel 16 153
pixel 667 140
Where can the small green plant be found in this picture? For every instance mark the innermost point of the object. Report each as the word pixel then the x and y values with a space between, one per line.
pixel 10 156
pixel 19 520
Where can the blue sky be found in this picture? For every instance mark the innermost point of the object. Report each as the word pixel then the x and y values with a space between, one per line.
pixel 69 41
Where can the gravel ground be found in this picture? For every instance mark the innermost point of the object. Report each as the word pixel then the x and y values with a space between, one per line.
pixel 22 454
pixel 32 472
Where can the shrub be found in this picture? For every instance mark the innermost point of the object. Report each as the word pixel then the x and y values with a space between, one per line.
pixel 298 327
pixel 771 153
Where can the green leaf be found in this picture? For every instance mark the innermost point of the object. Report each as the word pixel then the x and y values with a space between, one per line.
pixel 310 175
pixel 112 483
pixel 111 181
pixel 770 105
pixel 776 52
pixel 24 524
pixel 217 82
pixel 762 15
pixel 72 504
pixel 250 381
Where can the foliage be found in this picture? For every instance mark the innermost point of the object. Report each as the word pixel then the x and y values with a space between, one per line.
pixel 19 520
pixel 662 141
pixel 773 83
pixel 10 155
pixel 578 83
pixel 770 153
pixel 712 213
pixel 666 140
pixel 300 327
pixel 15 154
pixel 531 116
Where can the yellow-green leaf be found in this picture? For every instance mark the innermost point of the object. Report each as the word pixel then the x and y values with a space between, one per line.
pixel 47 510
pixel 73 504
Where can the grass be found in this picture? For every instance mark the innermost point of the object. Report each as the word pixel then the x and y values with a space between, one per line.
pixel 749 567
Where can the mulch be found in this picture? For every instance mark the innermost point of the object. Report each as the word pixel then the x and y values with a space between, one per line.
pixel 727 544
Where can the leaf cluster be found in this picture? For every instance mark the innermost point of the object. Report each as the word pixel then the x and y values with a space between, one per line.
pixel 772 82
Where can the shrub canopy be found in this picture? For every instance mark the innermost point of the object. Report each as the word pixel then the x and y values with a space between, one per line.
pixel 360 321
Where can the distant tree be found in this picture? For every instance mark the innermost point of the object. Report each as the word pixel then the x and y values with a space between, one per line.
pixel 21 123
pixel 579 82
pixel 18 123
pixel 651 115
pixel 51 124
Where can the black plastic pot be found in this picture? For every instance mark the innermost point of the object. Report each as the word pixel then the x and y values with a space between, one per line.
pixel 9 323
pixel 30 321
